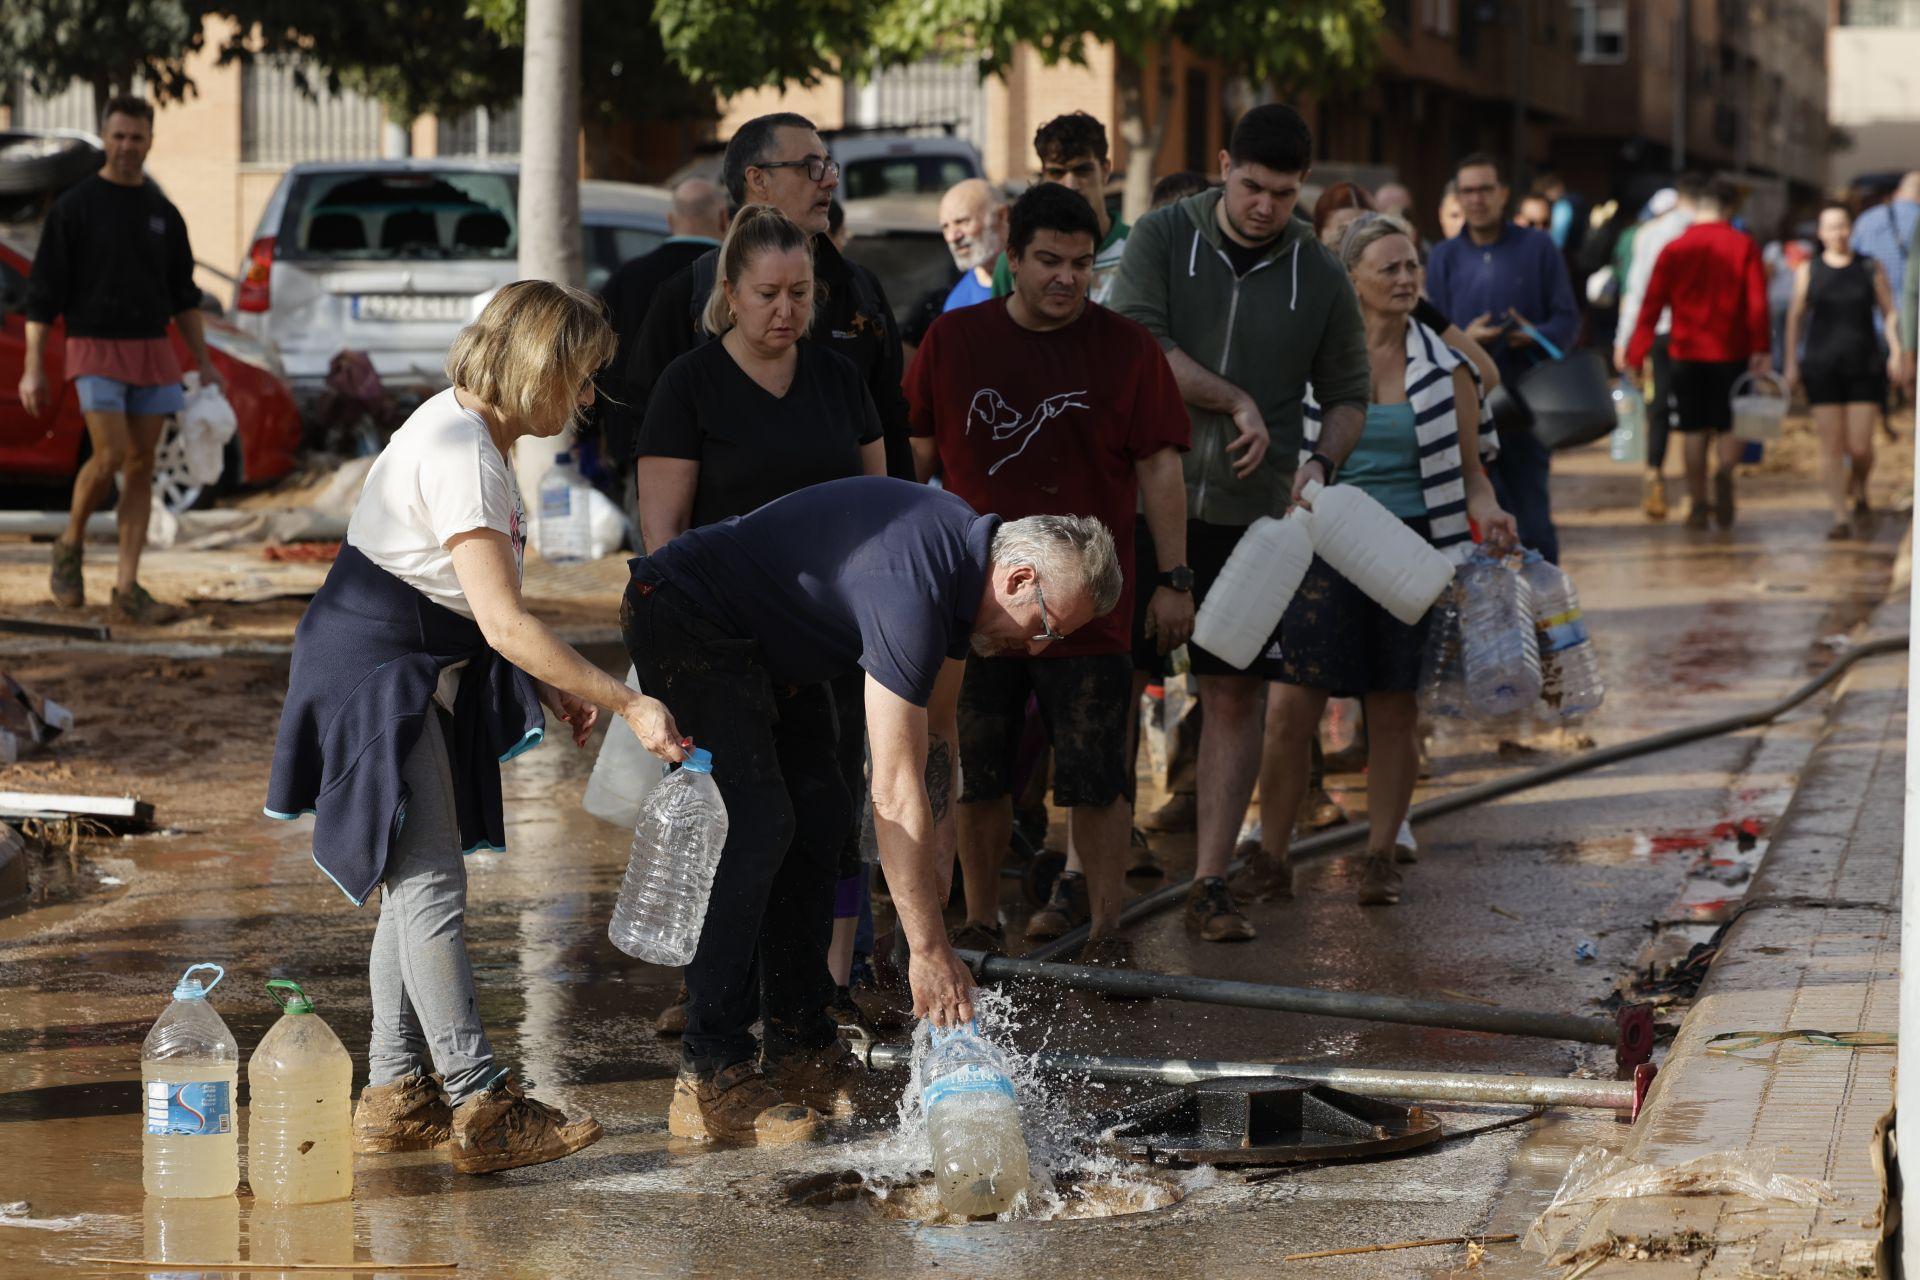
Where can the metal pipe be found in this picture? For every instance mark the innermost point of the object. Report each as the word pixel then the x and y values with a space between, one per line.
pixel 1329 841
pixel 1424 1086
pixel 1333 1004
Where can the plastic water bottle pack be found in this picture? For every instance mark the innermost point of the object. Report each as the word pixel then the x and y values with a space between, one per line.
pixel 1570 683
pixel 1443 684
pixel 1499 648
pixel 676 849
pixel 980 1161
pixel 299 1130
pixel 189 1068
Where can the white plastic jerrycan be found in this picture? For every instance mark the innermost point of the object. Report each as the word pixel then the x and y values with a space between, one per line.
pixel 1255 586
pixel 1374 549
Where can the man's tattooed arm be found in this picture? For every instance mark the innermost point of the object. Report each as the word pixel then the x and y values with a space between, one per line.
pixel 939 778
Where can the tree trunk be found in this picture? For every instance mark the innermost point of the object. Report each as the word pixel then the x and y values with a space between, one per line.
pixel 550 246
pixel 1143 135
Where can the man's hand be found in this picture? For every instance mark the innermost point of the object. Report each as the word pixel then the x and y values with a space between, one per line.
pixel 1620 363
pixel 1300 478
pixel 1252 442
pixel 33 389
pixel 579 714
pixel 653 724
pixel 942 986
pixel 1483 328
pixel 1760 363
pixel 1169 618
pixel 210 376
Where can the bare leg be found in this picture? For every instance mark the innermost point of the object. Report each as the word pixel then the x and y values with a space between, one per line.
pixel 112 438
pixel 1694 446
pixel 986 827
pixel 1229 762
pixel 1101 834
pixel 1860 418
pixel 1829 423
pixel 1730 447
pixel 1393 765
pixel 136 495
pixel 840 950
pixel 1293 722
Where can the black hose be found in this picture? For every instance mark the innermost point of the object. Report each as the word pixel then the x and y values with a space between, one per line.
pixel 1329 841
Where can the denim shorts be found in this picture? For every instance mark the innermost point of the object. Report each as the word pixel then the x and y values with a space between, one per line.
pixel 108 395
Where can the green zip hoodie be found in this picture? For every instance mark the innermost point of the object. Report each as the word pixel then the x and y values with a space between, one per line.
pixel 1289 321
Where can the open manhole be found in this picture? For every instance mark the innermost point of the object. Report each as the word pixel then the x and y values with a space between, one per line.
pixel 1267 1120
pixel 917 1199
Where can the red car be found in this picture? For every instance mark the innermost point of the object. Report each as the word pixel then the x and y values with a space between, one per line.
pixel 51 448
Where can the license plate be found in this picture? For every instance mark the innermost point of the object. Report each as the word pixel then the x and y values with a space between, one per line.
pixel 411 306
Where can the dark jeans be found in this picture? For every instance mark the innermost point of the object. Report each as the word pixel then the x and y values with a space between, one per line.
pixel 1520 481
pixel 763 951
pixel 849 694
pixel 1660 408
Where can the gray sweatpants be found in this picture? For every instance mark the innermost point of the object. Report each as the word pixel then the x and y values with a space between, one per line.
pixel 425 1013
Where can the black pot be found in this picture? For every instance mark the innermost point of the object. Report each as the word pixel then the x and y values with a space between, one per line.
pixel 1568 402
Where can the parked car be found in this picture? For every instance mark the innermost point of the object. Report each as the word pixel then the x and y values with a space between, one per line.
pixel 876 163
pixel 898 239
pixel 393 257
pixel 49 449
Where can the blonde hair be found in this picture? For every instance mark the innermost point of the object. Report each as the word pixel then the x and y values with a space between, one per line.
pixel 532 348
pixel 756 229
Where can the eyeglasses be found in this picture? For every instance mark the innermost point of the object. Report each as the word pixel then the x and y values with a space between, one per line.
pixel 818 168
pixel 1478 191
pixel 1046 624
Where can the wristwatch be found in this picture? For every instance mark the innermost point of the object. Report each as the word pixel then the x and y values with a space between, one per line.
pixel 1326 464
pixel 1179 578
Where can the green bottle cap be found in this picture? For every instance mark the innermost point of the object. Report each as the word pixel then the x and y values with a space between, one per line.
pixel 289 995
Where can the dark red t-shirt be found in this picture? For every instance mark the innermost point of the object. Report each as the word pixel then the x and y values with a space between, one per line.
pixel 1030 424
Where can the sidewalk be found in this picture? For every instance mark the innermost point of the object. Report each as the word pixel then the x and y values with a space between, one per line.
pixel 1817 948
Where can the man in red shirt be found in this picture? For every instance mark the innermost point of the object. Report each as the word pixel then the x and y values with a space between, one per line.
pixel 1046 403
pixel 1712 280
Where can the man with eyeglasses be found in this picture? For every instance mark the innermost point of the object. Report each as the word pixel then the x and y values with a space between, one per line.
pixel 1044 403
pixel 1073 152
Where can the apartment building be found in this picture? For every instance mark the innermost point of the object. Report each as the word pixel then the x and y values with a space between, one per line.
pixel 1873 66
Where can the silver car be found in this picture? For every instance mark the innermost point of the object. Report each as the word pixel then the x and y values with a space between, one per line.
pixel 393 257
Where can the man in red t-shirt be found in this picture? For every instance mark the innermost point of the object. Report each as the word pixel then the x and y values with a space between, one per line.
pixel 1713 280
pixel 1046 403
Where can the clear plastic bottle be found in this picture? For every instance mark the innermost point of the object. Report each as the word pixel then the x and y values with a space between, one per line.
pixel 1629 440
pixel 1256 584
pixel 563 531
pixel 1443 682
pixel 189 1067
pixel 624 773
pixel 1499 650
pixel 1570 683
pixel 973 1124
pixel 300 1113
pixel 203 1231
pixel 676 848
pixel 1375 550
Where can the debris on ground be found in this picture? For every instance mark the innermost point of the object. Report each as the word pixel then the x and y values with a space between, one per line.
pixel 28 721
pixel 1597 1176
pixel 123 814
pixel 1683 1244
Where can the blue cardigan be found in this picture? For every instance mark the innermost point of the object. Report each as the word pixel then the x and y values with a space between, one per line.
pixel 367 658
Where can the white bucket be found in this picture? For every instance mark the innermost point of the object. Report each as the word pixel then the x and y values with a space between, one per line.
pixel 1756 416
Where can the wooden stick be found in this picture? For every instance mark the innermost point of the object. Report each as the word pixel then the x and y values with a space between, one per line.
pixel 148 1265
pixel 1403 1244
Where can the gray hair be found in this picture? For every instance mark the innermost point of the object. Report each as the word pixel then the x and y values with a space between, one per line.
pixel 1365 230
pixel 1063 549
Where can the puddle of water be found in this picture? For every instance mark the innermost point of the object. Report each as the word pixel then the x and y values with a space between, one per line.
pixel 1114 1194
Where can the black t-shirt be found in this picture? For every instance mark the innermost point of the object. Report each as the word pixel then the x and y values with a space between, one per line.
pixel 1431 316
pixel 1244 257
pixel 114 260
pixel 869 573
pixel 753 446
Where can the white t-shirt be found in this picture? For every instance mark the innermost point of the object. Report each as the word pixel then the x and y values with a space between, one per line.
pixel 439 477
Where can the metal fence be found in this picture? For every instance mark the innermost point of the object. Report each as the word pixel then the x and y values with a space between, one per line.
pixel 481 133
pixel 70 109
pixel 282 124
pixel 1880 13
pixel 929 92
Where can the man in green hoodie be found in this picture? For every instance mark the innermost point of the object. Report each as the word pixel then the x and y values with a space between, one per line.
pixel 1249 309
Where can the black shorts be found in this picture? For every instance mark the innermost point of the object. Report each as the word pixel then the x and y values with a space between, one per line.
pixel 1703 394
pixel 1840 386
pixel 1084 703
pixel 1334 637
pixel 1208 546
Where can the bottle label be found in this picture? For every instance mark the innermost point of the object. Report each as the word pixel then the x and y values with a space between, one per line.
pixel 970 1078
pixel 1562 631
pixel 194 1108
pixel 556 503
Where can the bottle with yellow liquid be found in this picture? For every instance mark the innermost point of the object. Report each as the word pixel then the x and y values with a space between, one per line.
pixel 299 1141
pixel 189 1066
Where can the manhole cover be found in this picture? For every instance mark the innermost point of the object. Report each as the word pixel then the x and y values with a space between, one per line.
pixel 1267 1121
pixel 916 1199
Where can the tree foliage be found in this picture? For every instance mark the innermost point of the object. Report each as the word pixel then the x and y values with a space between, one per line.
pixel 109 45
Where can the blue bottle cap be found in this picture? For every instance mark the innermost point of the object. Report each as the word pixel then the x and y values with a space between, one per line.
pixel 700 760
pixel 189 988
pixel 565 456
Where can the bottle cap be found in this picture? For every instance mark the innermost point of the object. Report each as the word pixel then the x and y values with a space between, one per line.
pixel 189 988
pixel 289 995
pixel 564 457
pixel 700 760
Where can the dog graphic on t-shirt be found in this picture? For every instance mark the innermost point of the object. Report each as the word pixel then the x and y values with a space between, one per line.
pixel 1005 422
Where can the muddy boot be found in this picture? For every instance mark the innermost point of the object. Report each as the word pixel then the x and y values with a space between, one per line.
pixel 1176 815
pixel 1267 878
pixel 830 1081
pixel 1143 863
pixel 1066 909
pixel 672 1020
pixel 502 1128
pixel 135 606
pixel 1653 496
pixel 1110 951
pixel 1379 881
pixel 1212 914
pixel 407 1115
pixel 67 583
pixel 974 936
pixel 738 1105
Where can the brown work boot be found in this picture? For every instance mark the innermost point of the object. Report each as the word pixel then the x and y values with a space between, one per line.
pixel 1318 812
pixel 1379 881
pixel 68 584
pixel 974 936
pixel 1723 497
pixel 1066 909
pixel 738 1105
pixel 672 1020
pixel 407 1115
pixel 1211 913
pixel 1143 863
pixel 1178 814
pixel 135 606
pixel 502 1128
pixel 1267 878
pixel 831 1081
pixel 1653 496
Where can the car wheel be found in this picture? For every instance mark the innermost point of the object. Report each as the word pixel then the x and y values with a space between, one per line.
pixel 173 485
pixel 33 162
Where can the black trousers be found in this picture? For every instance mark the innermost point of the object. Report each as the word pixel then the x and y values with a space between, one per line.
pixel 763 951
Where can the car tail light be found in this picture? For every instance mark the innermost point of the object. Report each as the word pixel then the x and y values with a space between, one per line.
pixel 252 294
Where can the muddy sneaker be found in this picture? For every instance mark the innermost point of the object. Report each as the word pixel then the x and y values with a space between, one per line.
pixel 1404 847
pixel 502 1128
pixel 1863 517
pixel 1066 909
pixel 1698 515
pixel 1176 815
pixel 1723 497
pixel 1379 881
pixel 1319 811
pixel 1212 915
pixel 672 1020
pixel 1653 496
pixel 1110 951
pixel 67 583
pixel 1143 863
pixel 136 607
pixel 738 1105
pixel 830 1082
pixel 1267 878
pixel 407 1115
pixel 1842 531
pixel 978 937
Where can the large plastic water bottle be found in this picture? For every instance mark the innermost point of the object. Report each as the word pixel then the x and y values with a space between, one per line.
pixel 676 848
pixel 563 529
pixel 1570 683
pixel 299 1121
pixel 1375 550
pixel 624 773
pixel 1629 440
pixel 189 1066
pixel 1256 584
pixel 1443 681
pixel 973 1123
pixel 1499 649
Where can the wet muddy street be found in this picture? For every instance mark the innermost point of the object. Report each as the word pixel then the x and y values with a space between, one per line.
pixel 1640 860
